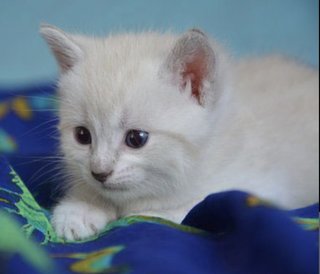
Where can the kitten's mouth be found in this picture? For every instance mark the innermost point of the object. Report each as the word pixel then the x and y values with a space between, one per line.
pixel 114 187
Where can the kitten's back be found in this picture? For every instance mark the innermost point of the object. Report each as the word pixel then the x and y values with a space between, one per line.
pixel 281 99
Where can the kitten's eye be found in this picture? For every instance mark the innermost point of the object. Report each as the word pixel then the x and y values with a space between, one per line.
pixel 136 138
pixel 82 135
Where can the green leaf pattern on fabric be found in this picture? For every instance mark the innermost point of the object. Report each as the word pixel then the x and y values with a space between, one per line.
pixel 36 218
pixel 13 241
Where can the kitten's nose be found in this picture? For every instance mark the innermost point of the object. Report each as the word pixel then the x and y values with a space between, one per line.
pixel 101 177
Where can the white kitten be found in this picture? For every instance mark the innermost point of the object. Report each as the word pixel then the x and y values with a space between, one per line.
pixel 152 123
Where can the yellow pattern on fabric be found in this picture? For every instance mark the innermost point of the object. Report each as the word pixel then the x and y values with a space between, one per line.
pixel 3 109
pixel 4 200
pixel 95 262
pixel 308 223
pixel 253 201
pixel 22 108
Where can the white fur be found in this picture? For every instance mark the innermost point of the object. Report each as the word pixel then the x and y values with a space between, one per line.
pixel 257 129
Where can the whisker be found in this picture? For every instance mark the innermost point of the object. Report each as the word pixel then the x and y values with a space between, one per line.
pixel 53 161
pixel 38 126
pixel 34 176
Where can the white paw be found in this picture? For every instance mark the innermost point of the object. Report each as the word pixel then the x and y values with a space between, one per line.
pixel 76 220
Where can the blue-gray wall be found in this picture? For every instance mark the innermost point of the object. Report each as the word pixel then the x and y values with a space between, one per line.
pixel 245 26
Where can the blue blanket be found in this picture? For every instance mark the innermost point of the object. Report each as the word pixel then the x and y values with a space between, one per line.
pixel 230 232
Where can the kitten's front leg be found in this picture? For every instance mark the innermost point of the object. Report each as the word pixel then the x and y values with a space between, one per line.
pixel 75 218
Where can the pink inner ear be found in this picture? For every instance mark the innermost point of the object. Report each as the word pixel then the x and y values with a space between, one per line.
pixel 195 71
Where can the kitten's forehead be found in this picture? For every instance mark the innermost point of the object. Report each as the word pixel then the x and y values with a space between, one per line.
pixel 116 97
pixel 118 84
pixel 116 78
pixel 121 55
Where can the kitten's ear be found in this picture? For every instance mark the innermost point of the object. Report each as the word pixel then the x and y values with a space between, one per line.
pixel 191 64
pixel 63 46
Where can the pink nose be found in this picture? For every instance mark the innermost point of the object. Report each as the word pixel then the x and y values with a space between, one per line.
pixel 101 177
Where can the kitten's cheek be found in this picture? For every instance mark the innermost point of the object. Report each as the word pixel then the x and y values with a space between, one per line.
pixel 132 177
pixel 140 177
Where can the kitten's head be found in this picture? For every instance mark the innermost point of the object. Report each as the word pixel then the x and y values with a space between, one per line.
pixel 136 109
